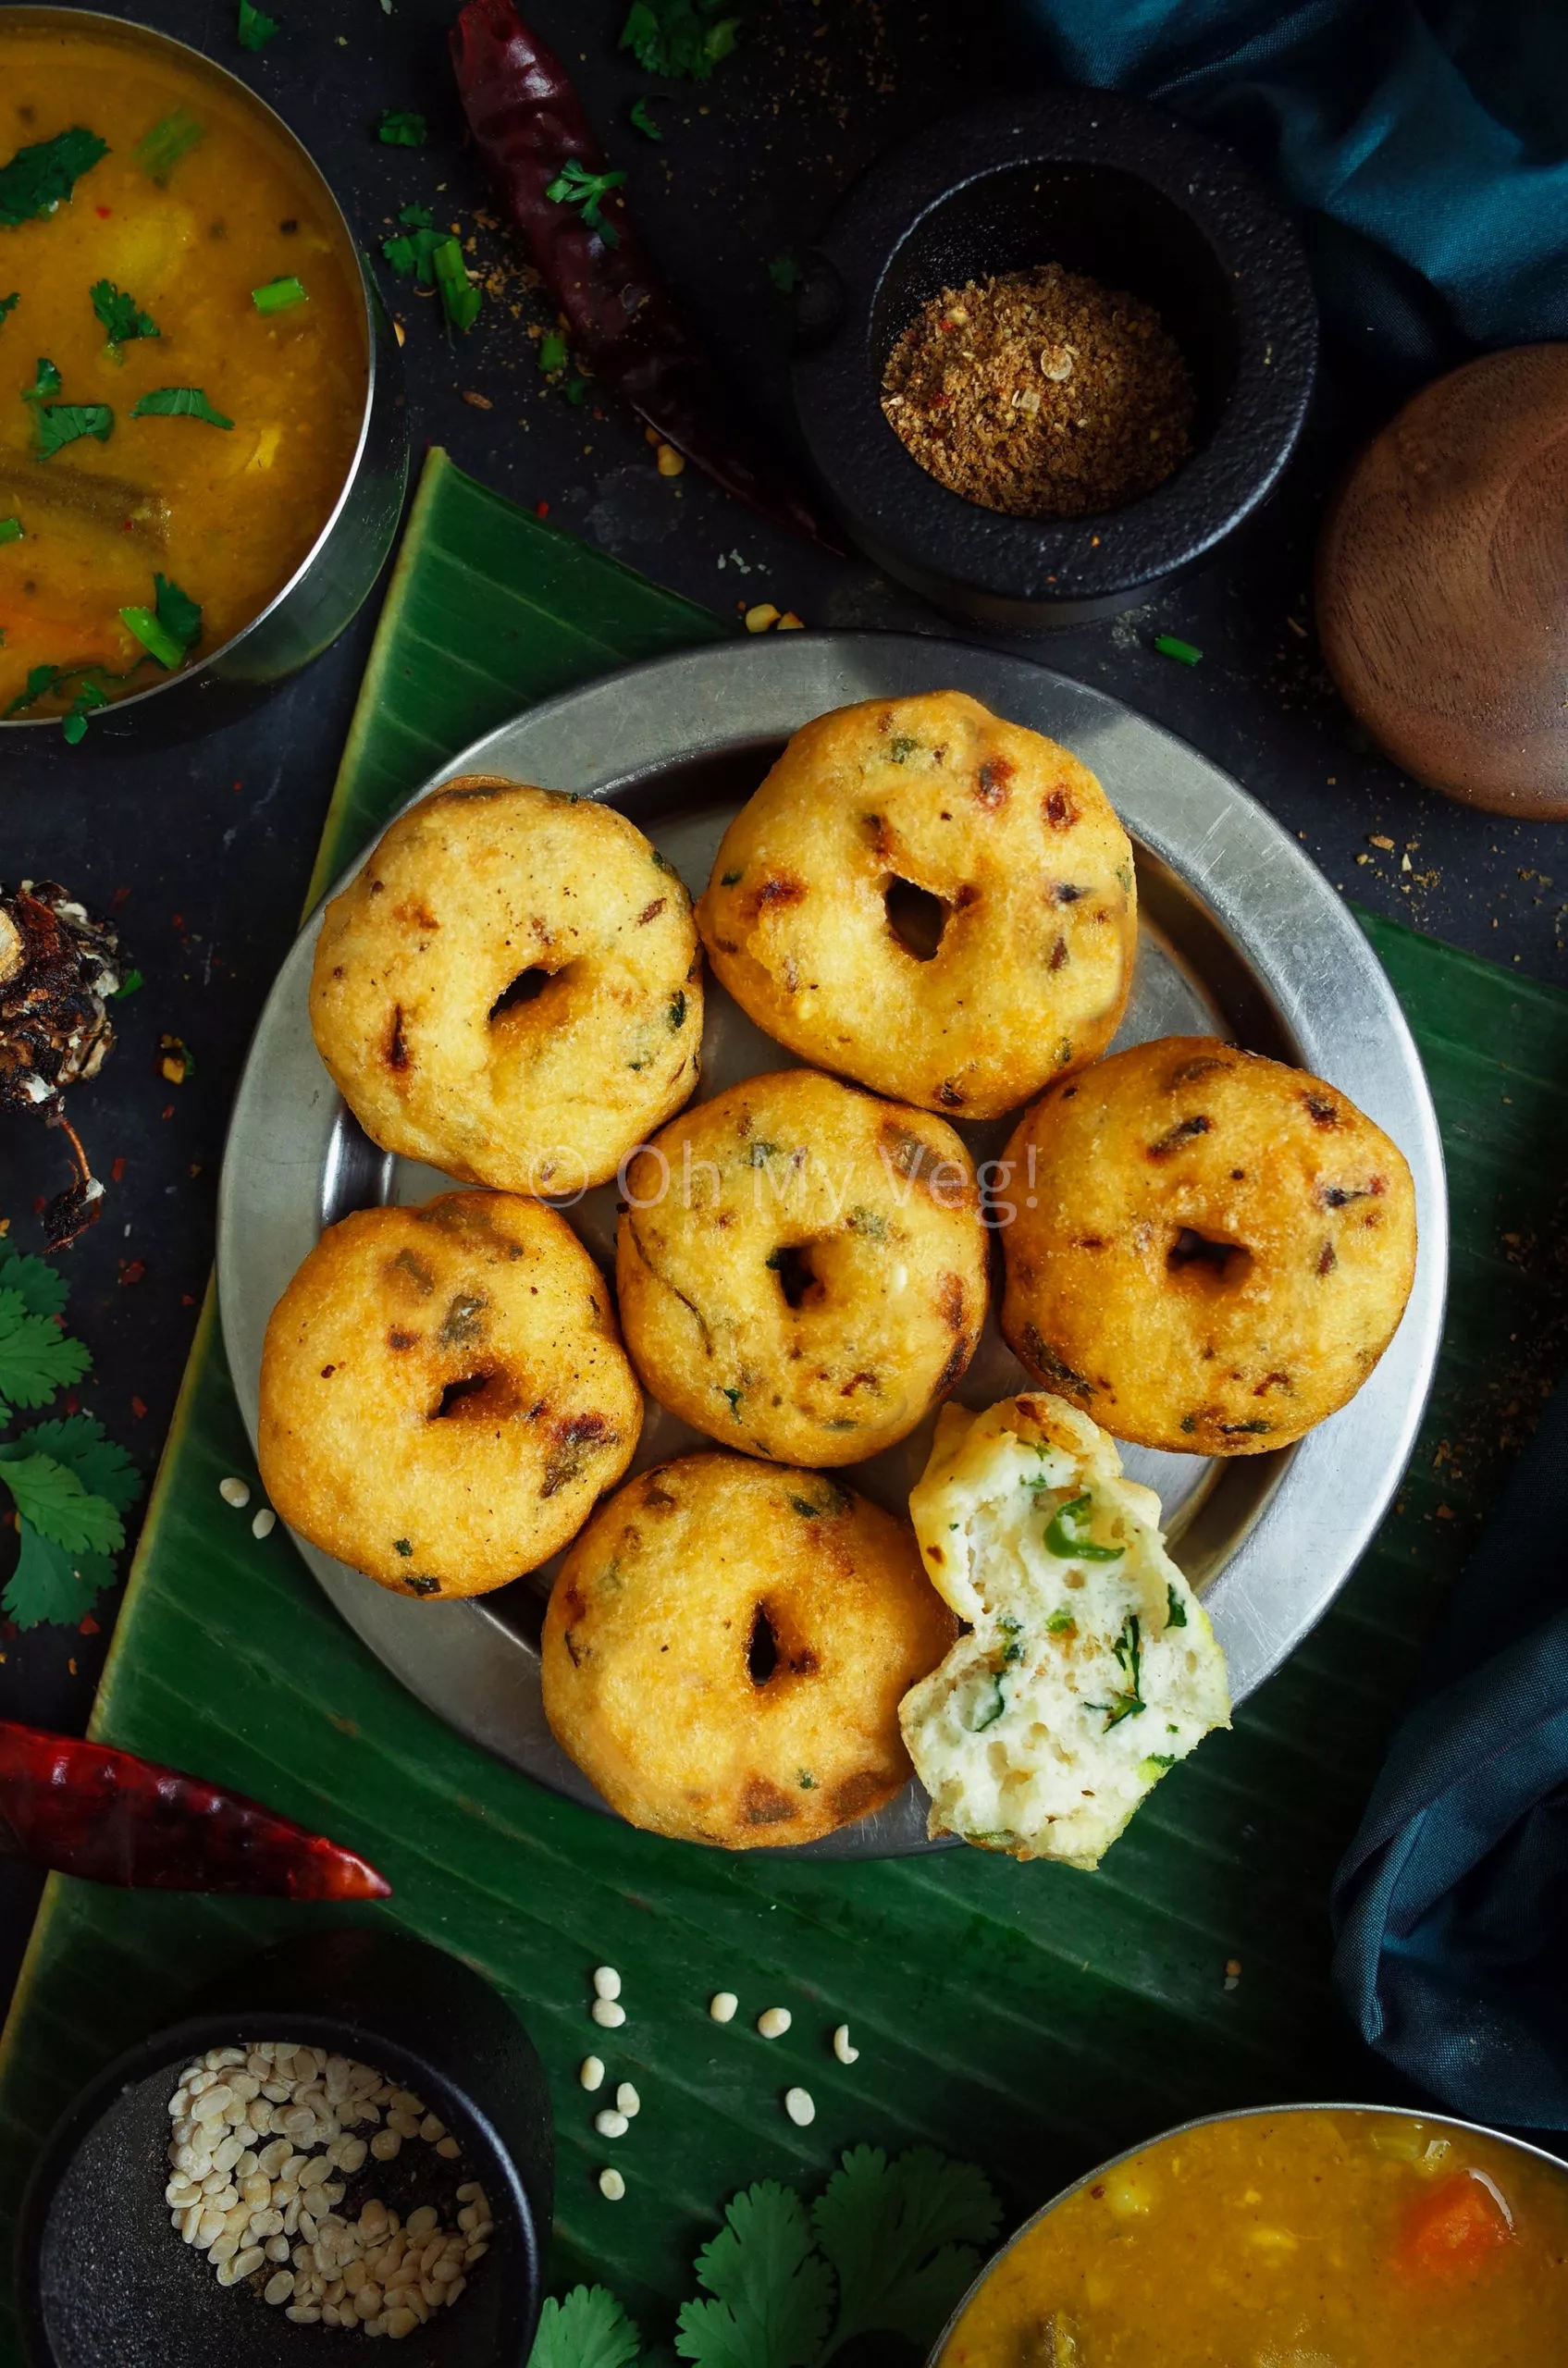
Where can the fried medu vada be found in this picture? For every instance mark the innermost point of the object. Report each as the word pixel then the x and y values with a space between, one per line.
pixel 727 1647
pixel 444 1393
pixel 801 1267
pixel 1211 1250
pixel 929 900
pixel 510 988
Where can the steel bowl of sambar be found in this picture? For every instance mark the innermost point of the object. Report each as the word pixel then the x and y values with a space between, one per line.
pixel 1287 2237
pixel 204 443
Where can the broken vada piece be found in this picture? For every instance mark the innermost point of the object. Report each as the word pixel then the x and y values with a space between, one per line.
pixel 1213 1249
pixel 1090 1667
pixel 725 1650
pixel 444 1393
pixel 930 900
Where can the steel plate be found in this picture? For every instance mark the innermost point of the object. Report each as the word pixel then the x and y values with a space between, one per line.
pixel 1239 932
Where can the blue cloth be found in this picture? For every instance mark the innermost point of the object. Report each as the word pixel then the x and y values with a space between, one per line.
pixel 1425 142
pixel 1452 1905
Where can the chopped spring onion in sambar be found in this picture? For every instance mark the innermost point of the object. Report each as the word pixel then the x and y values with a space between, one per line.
pixel 158 151
pixel 277 295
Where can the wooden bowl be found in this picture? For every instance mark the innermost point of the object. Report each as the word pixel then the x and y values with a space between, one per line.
pixel 1442 584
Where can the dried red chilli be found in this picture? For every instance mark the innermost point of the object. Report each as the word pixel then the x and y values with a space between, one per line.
pixel 530 125
pixel 109 1817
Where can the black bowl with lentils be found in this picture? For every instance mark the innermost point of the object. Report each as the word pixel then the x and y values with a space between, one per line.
pixel 411 2122
pixel 1050 351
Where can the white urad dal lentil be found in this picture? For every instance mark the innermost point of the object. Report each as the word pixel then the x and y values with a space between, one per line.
pixel 249 2188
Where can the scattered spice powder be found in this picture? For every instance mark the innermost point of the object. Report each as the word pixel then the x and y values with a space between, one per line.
pixel 1042 393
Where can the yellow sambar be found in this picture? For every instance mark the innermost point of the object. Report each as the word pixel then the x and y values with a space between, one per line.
pixel 1305 2240
pixel 201 200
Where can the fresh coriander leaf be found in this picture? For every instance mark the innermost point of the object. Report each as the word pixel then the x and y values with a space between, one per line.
pixel 460 299
pixel 415 254
pixel 120 315
pixel 50 1495
pixel 73 723
pixel 83 1446
pixel 36 1357
pixel 577 391
pixel 772 2293
pixel 586 2329
pixel 8 304
pixel 40 682
pixel 554 351
pixel 42 1287
pixel 785 272
pixel 158 151
pixel 574 185
pixel 402 128
pixel 63 424
pixel 902 2238
pixel 179 616
pixel 277 295
pixel 47 381
pixel 178 403
pixel 679 37
pixel 150 634
pixel 127 985
pixel 643 121
pixel 39 178
pixel 1128 1651
pixel 1175 1611
pixel 255 28
pixel 51 1583
pixel 10 530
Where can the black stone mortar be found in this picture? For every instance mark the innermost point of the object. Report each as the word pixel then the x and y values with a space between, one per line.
pixel 104 2281
pixel 1108 187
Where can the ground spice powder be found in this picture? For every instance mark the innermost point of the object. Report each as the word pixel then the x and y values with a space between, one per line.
pixel 1042 393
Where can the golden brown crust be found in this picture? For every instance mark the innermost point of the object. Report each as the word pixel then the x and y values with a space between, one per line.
pixel 510 988
pixel 444 1393
pixel 727 1647
pixel 801 1267
pixel 1211 1250
pixel 1014 839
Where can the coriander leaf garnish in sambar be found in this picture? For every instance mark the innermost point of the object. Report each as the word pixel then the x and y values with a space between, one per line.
pixel 142 199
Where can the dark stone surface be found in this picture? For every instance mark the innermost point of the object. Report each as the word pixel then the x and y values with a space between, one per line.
pixel 207 850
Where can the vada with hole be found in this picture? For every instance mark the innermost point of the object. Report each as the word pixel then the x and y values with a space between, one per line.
pixel 801 1268
pixel 1211 1250
pixel 726 1647
pixel 510 988
pixel 934 902
pixel 1088 1667
pixel 444 1393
